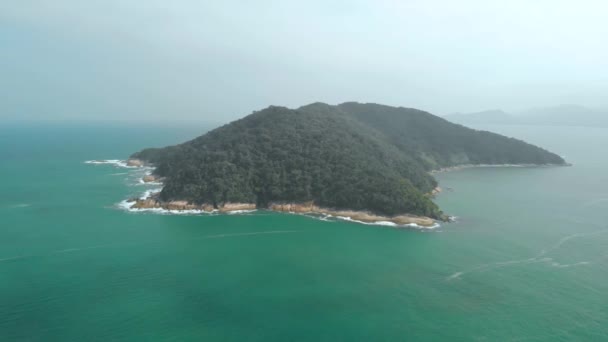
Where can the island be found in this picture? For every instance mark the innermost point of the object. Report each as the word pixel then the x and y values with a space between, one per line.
pixel 369 162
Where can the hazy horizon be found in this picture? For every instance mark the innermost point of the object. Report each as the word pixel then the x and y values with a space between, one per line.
pixel 216 62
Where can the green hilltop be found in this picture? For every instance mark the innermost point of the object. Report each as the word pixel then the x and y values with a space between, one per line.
pixel 350 156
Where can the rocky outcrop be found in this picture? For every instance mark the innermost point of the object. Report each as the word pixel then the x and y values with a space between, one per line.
pixel 436 191
pixel 306 207
pixel 147 203
pixel 135 163
pixel 300 208
pixel 155 203
pixel 228 207
pixel 362 216
pixel 151 179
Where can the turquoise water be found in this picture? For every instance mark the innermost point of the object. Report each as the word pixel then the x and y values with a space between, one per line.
pixel 526 261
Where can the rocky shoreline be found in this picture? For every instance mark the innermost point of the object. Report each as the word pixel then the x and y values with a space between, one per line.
pixel 361 216
pixel 151 201
pixel 470 166
pixel 151 179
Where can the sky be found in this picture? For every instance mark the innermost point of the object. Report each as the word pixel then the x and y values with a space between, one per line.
pixel 220 60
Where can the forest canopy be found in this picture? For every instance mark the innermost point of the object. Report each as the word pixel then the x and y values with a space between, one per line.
pixel 349 156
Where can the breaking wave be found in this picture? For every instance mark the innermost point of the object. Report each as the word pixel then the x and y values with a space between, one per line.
pixel 331 218
pixel 236 212
pixel 114 162
pixel 388 223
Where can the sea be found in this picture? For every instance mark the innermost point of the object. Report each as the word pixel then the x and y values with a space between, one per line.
pixel 525 260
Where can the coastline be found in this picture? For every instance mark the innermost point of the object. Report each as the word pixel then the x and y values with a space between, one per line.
pixel 471 166
pixel 149 202
pixel 355 216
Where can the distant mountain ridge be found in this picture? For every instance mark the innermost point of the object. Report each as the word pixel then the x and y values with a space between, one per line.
pixel 562 115
pixel 352 156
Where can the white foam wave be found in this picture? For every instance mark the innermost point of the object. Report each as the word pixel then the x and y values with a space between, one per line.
pixel 388 223
pixel 326 218
pixel 125 205
pixel 141 182
pixel 114 162
pixel 128 206
pixel 149 193
pixel 237 212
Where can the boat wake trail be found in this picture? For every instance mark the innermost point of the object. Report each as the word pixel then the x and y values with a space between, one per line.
pixel 119 245
pixel 20 205
pixel 541 257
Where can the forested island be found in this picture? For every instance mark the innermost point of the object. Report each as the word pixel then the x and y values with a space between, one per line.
pixel 366 158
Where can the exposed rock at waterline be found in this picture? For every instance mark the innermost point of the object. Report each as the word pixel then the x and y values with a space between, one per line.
pixel 135 162
pixel 151 179
pixel 301 208
pixel 362 216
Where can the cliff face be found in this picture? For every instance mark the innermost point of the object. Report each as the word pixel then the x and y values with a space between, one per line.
pixel 361 157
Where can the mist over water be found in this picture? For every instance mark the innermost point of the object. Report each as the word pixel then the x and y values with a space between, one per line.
pixel 143 60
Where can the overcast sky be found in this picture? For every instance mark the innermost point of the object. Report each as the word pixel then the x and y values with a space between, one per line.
pixel 220 60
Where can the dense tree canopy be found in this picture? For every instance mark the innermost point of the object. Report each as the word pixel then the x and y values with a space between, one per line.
pixel 350 156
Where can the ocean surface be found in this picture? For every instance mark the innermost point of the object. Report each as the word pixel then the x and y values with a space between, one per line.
pixel 527 259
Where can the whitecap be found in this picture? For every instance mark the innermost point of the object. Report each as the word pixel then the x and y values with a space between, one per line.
pixel 388 223
pixel 236 212
pixel 128 206
pixel 149 193
pixel 114 162
pixel 141 182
